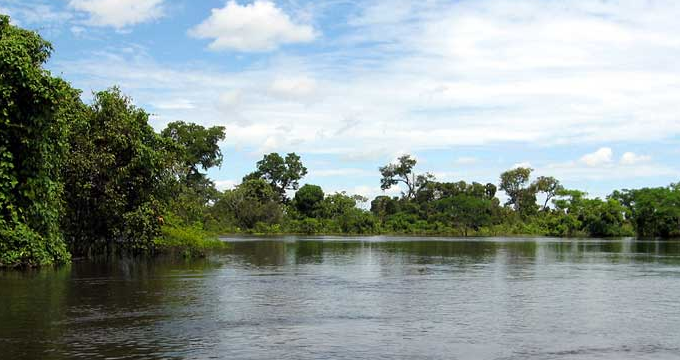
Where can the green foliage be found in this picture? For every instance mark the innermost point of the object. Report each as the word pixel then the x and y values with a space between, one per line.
pixel 465 211
pixel 113 178
pixel 547 185
pixel 281 174
pixel 308 200
pixel 520 196
pixel 188 240
pixel 655 212
pixel 384 206
pixel 33 133
pixel 196 148
pixel 402 172
pixel 252 202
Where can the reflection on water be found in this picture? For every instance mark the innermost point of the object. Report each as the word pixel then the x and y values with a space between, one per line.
pixel 349 298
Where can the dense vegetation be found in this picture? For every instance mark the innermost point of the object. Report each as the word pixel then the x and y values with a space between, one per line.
pixel 82 179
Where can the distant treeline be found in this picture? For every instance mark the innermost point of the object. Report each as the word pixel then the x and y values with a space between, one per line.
pixel 428 207
pixel 90 179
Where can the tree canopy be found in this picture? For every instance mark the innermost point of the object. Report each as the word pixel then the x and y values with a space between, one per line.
pixel 402 172
pixel 281 173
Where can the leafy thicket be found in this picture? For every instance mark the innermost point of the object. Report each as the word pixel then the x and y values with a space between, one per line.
pixel 113 178
pixel 33 140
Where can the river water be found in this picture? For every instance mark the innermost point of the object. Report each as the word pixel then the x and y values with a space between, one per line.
pixel 356 298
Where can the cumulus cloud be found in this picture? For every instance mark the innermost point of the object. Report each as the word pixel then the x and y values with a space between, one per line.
pixel 46 15
pixel 600 165
pixel 260 26
pixel 630 158
pixel 435 76
pixel 603 156
pixel 119 13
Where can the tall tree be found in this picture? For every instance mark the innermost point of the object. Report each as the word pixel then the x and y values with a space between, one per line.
pixel 34 118
pixel 402 172
pixel 282 174
pixel 522 197
pixel 197 147
pixel 114 178
pixel 547 185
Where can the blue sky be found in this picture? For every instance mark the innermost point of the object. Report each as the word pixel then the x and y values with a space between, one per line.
pixel 586 91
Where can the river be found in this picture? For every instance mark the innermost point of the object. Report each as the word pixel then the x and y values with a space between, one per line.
pixel 356 298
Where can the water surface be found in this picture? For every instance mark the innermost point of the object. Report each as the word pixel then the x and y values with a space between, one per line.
pixel 356 298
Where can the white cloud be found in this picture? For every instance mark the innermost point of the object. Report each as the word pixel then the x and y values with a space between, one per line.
pixel 438 76
pixel 77 30
pixel 466 160
pixel 119 14
pixel 222 185
pixel 175 104
pixel 293 88
pixel 573 171
pixel 603 156
pixel 524 164
pixel 23 14
pixel 599 165
pixel 340 172
pixel 630 158
pixel 260 26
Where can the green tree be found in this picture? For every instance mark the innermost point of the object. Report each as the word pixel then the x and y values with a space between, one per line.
pixel 282 174
pixel 114 178
pixel 521 196
pixel 402 172
pixel 547 185
pixel 335 205
pixel 308 200
pixel 465 211
pixel 383 206
pixel 34 120
pixel 655 212
pixel 197 147
pixel 252 202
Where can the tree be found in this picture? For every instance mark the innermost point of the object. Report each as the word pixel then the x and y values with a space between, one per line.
pixel 114 178
pixel 282 174
pixel 593 217
pixel 383 206
pixel 655 212
pixel 402 172
pixel 465 211
pixel 35 111
pixel 253 201
pixel 336 205
pixel 197 147
pixel 308 200
pixel 547 185
pixel 514 183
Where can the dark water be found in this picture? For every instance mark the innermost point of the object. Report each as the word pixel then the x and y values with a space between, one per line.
pixel 356 298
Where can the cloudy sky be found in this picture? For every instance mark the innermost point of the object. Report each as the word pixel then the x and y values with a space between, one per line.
pixel 587 91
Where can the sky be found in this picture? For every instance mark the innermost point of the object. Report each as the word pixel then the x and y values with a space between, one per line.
pixel 586 91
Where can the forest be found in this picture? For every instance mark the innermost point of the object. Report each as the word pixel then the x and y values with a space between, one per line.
pixel 88 179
